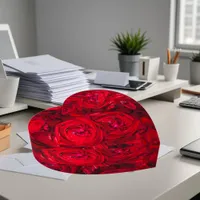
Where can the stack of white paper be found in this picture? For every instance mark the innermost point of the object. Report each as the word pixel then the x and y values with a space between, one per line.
pixel 46 78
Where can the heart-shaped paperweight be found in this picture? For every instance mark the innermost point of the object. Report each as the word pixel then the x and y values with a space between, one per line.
pixel 95 132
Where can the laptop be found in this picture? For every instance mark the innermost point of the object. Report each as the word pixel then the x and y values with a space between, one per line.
pixel 191 150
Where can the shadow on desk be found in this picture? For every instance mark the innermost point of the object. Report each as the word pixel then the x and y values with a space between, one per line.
pixel 3 198
pixel 189 160
pixel 197 197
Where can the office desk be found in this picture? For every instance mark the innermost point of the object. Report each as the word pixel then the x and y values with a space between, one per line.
pixel 174 178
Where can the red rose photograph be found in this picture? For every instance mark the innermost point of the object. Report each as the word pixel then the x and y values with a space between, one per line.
pixel 95 132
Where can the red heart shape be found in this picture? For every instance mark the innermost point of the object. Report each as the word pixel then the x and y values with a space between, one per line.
pixel 95 132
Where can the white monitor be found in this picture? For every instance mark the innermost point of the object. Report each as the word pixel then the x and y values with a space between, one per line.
pixel 7 45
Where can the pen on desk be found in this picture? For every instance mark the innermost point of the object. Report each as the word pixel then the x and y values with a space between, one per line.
pixel 176 57
pixel 168 57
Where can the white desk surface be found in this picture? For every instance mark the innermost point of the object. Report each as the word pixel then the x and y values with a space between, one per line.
pixel 174 178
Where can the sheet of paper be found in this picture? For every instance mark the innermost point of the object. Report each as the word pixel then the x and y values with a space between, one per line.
pixel 164 150
pixel 43 81
pixel 51 91
pixel 53 83
pixel 28 146
pixel 112 78
pixel 43 64
pixel 9 164
pixel 25 159
pixel 40 170
pixel 92 75
pixel 25 163
pixel 53 99
pixel 67 76
pixel 24 136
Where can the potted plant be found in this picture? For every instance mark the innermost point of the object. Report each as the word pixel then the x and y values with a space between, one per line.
pixel 195 69
pixel 129 46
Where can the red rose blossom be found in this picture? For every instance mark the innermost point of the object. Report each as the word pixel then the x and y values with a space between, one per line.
pixel 78 132
pixel 44 139
pixel 74 156
pixel 36 125
pixel 114 123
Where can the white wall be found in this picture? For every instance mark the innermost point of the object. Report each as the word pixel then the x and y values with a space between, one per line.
pixel 20 15
pixel 79 30
pixel 184 70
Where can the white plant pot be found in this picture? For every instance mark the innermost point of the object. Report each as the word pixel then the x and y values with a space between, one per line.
pixel 149 67
pixel 8 89
pixel 195 73
pixel 171 71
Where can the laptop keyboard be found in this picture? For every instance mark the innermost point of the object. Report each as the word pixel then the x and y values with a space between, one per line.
pixel 193 102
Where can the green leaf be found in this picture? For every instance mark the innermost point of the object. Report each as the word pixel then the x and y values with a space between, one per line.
pixel 196 57
pixel 129 43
